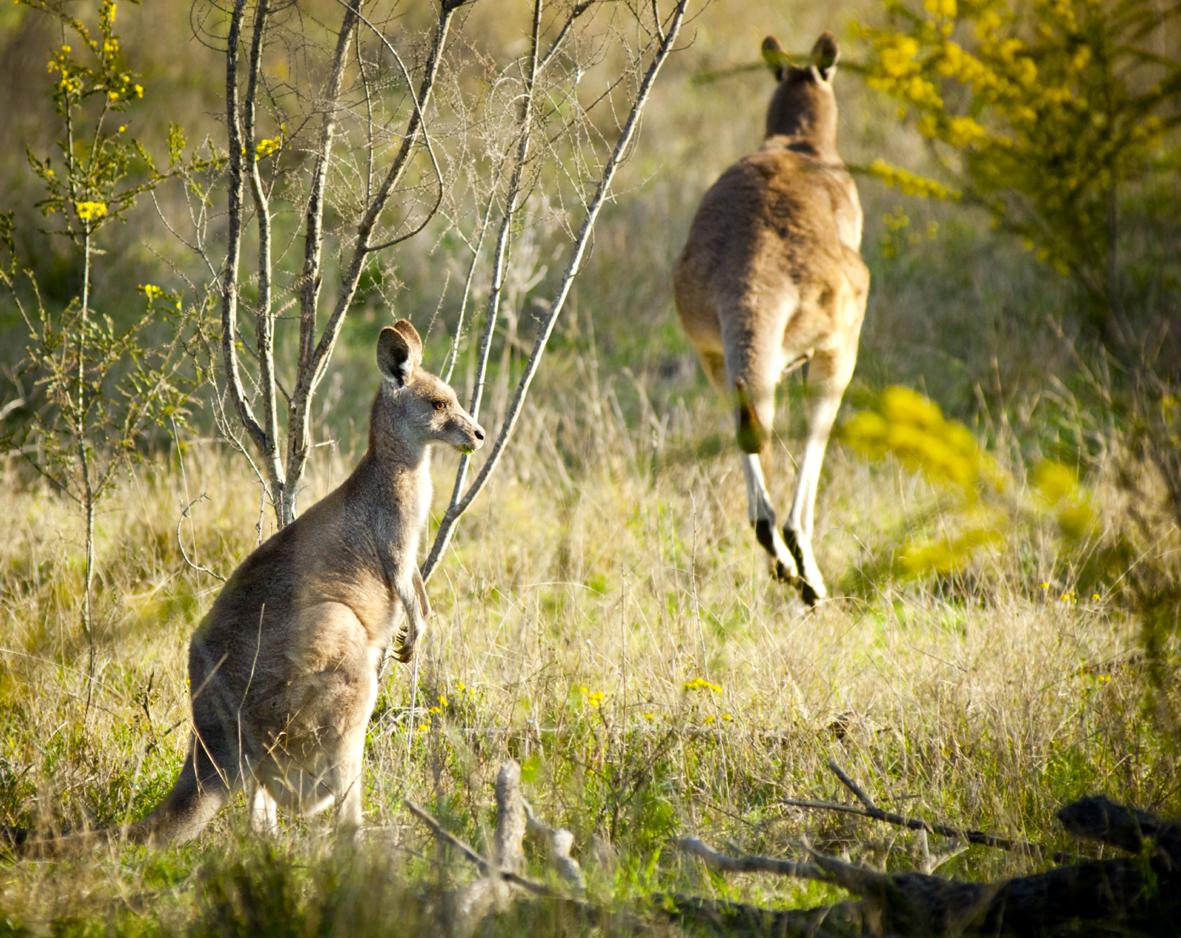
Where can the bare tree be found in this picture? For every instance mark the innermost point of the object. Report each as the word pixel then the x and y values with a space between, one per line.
pixel 348 135
pixel 564 162
pixel 292 171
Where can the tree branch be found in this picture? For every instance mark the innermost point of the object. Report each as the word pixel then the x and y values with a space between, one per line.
pixel 451 517
pixel 229 306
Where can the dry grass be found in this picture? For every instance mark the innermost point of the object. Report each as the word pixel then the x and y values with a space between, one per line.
pixel 611 555
pixel 619 565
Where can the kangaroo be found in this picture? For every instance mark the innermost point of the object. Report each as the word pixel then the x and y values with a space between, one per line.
pixel 283 670
pixel 771 278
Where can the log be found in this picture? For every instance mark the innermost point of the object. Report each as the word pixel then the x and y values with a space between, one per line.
pixel 1138 895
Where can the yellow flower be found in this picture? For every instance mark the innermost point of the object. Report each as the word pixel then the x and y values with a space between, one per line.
pixel 909 183
pixel 90 211
pixel 964 131
pixel 139 90
pixel 1054 481
pixel 594 699
pixel 267 146
pixel 443 701
pixel 700 683
pixel 898 55
pixel 904 405
pixel 150 290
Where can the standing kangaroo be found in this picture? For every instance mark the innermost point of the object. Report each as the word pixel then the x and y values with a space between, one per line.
pixel 283 669
pixel 771 278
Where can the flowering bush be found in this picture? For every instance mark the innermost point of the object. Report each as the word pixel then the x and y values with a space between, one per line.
pixel 986 501
pixel 1040 112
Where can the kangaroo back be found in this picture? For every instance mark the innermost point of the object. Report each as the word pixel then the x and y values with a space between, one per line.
pixel 770 278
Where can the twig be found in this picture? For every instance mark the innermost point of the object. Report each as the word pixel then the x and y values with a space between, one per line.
pixel 184 554
pixel 852 786
pixel 750 863
pixel 573 266
pixel 479 860
pixel 871 810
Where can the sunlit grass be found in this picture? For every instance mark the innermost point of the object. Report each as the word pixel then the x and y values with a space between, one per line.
pixel 612 626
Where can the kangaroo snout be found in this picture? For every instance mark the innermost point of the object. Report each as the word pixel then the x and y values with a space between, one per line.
pixel 475 437
pixel 464 433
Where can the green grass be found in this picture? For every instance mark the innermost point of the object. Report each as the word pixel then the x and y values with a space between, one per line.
pixel 611 554
pixel 631 574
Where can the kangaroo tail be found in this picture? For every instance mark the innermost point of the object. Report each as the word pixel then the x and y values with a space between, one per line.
pixel 198 794
pixel 187 809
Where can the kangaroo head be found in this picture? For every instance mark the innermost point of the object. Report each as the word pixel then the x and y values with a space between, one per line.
pixel 413 408
pixel 803 105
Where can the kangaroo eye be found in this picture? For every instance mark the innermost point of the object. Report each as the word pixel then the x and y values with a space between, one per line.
pixel 440 405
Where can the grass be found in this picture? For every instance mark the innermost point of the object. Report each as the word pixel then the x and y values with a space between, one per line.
pixel 619 573
pixel 608 566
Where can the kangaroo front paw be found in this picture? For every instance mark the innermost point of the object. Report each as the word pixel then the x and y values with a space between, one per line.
pixel 403 648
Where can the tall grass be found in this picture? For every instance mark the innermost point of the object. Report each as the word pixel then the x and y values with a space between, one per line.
pixel 608 566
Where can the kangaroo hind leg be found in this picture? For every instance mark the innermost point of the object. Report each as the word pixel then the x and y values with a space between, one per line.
pixel 828 376
pixel 753 366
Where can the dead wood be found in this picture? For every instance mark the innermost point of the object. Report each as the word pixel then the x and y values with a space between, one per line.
pixel 870 809
pixel 1139 895
pixel 560 842
pixel 492 893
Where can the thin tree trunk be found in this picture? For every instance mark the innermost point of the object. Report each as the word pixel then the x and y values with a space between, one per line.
pixel 266 446
pixel 314 359
pixel 88 493
pixel 264 314
pixel 458 504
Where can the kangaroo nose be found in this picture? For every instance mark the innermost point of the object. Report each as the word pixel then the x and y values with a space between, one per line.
pixel 480 434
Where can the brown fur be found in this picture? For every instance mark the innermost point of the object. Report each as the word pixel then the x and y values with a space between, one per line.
pixel 283 668
pixel 770 275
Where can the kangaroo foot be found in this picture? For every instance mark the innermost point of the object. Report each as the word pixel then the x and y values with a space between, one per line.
pixel 783 566
pixel 811 583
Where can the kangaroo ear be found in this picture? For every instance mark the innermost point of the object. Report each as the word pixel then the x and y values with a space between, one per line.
pixel 824 56
pixel 395 357
pixel 775 57
pixel 407 331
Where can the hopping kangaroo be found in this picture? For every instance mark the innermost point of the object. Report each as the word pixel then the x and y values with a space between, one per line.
pixel 283 669
pixel 771 278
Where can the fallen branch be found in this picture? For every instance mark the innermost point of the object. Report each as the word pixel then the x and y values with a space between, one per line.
pixel 749 863
pixel 1138 895
pixel 871 810
pixel 728 918
pixel 468 853
pixel 490 893
pixel 560 842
